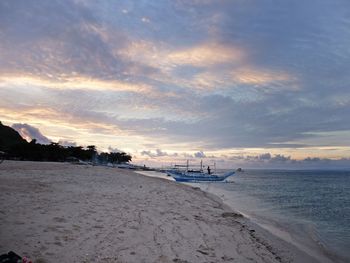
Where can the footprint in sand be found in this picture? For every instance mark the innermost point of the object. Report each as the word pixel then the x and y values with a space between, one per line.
pixel 59 220
pixel 58 243
pixel 177 260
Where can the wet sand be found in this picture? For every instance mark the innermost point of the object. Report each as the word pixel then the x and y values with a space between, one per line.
pixel 57 212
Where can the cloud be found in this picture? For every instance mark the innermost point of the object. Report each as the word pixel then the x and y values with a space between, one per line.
pixel 265 156
pixel 59 52
pixel 67 143
pixel 199 155
pixel 166 57
pixel 145 20
pixel 260 77
pixel 177 156
pixel 280 158
pixel 192 76
pixel 29 133
pixel 157 153
pixel 115 150
pixel 263 161
pixel 205 55
pixel 281 161
pixel 76 82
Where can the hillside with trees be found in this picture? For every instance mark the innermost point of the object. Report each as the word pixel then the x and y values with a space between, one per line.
pixel 16 148
pixel 9 137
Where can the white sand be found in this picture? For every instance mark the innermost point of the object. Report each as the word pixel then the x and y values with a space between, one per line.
pixel 55 212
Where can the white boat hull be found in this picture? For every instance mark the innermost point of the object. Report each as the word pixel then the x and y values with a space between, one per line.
pixel 198 177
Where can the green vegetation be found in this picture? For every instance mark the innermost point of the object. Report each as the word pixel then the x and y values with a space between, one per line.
pixel 19 149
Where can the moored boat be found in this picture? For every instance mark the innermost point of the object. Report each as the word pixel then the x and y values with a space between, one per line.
pixel 198 176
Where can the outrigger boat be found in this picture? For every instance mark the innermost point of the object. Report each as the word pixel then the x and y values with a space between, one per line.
pixel 196 175
pixel 180 176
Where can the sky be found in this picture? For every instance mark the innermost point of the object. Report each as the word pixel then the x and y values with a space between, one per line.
pixel 251 83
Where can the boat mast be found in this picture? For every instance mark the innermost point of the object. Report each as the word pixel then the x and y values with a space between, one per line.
pixel 187 164
pixel 201 166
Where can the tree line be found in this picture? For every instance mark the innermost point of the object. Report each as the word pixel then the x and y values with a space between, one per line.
pixel 54 152
pixel 13 146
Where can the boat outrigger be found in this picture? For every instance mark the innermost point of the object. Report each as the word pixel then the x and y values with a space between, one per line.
pixel 196 175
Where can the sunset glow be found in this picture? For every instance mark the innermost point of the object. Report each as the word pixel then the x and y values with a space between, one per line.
pixel 239 83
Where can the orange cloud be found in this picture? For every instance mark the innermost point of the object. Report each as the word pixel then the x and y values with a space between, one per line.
pixel 165 57
pixel 51 117
pixel 207 54
pixel 73 82
pixel 248 75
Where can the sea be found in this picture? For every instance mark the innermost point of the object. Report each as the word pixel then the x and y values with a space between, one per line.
pixel 308 208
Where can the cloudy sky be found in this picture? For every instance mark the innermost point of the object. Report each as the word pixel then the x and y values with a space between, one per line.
pixel 238 81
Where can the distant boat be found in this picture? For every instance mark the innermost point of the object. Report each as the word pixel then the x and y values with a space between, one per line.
pixel 197 176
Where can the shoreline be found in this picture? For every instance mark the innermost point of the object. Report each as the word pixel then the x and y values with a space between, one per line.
pixel 297 234
pixel 58 212
pixel 274 230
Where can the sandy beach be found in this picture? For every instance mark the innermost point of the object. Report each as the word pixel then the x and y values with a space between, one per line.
pixel 58 212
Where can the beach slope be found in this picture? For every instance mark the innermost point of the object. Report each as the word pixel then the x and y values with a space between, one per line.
pixel 57 212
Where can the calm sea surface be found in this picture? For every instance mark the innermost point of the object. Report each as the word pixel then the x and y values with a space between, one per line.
pixel 311 204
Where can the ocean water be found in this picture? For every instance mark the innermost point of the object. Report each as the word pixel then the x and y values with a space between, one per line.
pixel 310 209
